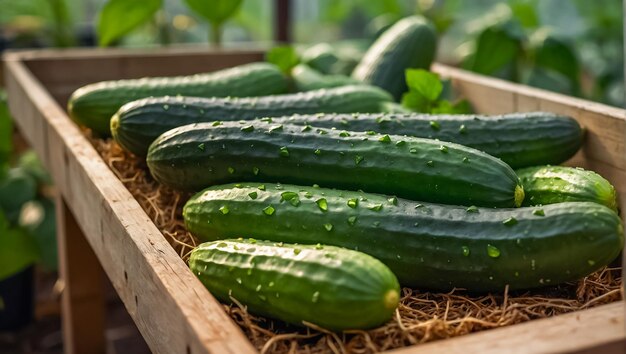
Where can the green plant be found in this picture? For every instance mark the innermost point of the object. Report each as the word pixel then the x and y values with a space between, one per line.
pixel 199 155
pixel 426 93
pixel 118 17
pixel 426 245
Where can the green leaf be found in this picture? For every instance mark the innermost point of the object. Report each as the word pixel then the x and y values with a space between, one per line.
pixel 550 80
pixel 17 249
pixel 415 101
pixel 30 163
pixel 6 130
pixel 118 17
pixel 38 219
pixel 524 11
pixel 16 188
pixel 447 107
pixel 558 55
pixel 285 57
pixel 495 48
pixel 426 83
pixel 216 11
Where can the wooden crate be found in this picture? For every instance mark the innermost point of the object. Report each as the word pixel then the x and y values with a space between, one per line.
pixel 102 227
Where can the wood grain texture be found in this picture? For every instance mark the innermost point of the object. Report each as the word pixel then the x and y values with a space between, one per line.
pixel 577 332
pixel 82 298
pixel 172 309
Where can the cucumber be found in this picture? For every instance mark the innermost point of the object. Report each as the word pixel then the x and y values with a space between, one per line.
pixel 139 123
pixel 94 104
pixel 308 79
pixel 321 57
pixel 426 245
pixel 328 286
pixel 519 139
pixel 195 156
pixel 557 184
pixel 409 43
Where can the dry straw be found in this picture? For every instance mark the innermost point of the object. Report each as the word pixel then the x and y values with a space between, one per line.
pixel 421 316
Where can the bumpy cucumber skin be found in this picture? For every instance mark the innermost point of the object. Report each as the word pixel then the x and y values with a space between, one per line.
pixel 557 184
pixel 308 79
pixel 139 123
pixel 426 245
pixel 410 43
pixel 93 105
pixel 332 287
pixel 519 139
pixel 200 155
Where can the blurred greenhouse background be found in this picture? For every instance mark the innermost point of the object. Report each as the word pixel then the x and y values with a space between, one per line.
pixel 569 46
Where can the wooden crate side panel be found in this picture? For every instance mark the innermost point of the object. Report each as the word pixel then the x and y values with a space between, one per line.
pixel 576 332
pixel 172 309
pixel 605 126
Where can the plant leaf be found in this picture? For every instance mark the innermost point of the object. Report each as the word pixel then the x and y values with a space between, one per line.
pixel 495 48
pixel 559 56
pixel 285 57
pixel 6 130
pixel 426 83
pixel 118 17
pixel 216 11
pixel 415 101
pixel 17 250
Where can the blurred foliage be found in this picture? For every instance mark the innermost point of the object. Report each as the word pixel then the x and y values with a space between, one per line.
pixel 118 17
pixel 27 215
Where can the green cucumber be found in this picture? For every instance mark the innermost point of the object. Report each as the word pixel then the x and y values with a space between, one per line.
pixel 195 156
pixel 409 43
pixel 94 104
pixel 557 184
pixel 321 57
pixel 426 245
pixel 139 123
pixel 332 287
pixel 308 79
pixel 519 139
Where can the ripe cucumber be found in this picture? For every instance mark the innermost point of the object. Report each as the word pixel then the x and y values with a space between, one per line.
pixel 557 184
pixel 139 123
pixel 94 104
pixel 519 139
pixel 195 156
pixel 409 43
pixel 426 245
pixel 332 287
pixel 308 79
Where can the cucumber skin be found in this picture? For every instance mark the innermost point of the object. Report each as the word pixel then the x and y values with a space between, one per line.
pixel 409 43
pixel 558 184
pixel 354 290
pixel 519 139
pixel 572 240
pixel 93 105
pixel 136 125
pixel 309 79
pixel 199 155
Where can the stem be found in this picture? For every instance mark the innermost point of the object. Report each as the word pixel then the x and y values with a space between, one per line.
pixel 216 34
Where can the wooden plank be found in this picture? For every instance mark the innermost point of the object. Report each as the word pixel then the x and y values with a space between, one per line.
pixel 577 332
pixel 82 299
pixel 172 309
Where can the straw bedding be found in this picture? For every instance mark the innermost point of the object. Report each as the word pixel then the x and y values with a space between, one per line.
pixel 421 316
